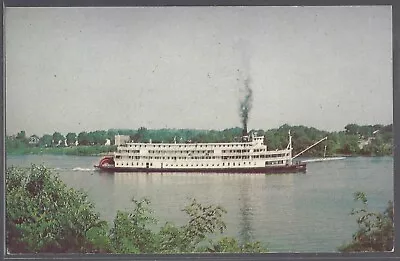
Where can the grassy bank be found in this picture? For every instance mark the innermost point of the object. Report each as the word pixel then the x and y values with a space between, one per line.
pixel 94 150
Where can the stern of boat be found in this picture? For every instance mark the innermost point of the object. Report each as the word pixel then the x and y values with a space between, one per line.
pixel 106 163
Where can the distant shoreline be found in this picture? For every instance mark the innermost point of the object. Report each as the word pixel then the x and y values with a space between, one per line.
pixel 354 140
pixel 96 150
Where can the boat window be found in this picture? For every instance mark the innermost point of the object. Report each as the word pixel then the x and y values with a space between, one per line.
pixel 233 163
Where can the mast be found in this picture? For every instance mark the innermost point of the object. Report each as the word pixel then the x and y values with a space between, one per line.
pixel 321 140
pixel 290 148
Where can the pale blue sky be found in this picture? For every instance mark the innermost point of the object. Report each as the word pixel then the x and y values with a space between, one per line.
pixel 77 69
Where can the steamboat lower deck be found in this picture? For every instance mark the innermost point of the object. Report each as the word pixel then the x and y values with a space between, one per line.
pixel 298 167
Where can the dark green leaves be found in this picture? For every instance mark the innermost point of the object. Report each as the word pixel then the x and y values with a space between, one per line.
pixel 375 229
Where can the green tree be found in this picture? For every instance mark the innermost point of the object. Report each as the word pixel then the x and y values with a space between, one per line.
pixel 43 215
pixel 71 138
pixel 352 129
pixel 375 229
pixel 21 136
pixel 14 144
pixel 130 233
pixel 58 138
pixel 46 140
pixel 83 138
pixel 140 135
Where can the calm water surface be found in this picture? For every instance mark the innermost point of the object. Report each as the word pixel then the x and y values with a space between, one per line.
pixel 290 212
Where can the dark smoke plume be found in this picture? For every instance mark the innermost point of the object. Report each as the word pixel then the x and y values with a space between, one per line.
pixel 243 47
pixel 246 104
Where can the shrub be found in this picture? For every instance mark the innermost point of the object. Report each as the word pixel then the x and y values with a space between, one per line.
pixel 375 229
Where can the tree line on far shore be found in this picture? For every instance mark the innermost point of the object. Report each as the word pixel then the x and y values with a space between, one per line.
pixel 367 140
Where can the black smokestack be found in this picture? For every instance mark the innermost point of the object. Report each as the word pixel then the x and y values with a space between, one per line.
pixel 245 105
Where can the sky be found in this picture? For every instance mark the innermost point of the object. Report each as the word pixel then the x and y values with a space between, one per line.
pixel 86 69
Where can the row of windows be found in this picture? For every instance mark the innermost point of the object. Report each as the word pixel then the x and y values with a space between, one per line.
pixel 180 151
pixel 235 157
pixel 208 157
pixel 270 156
pixel 132 164
pixel 202 157
pixel 129 151
pixel 187 165
pixel 190 146
pixel 186 158
pixel 235 151
pixel 210 165
pixel 209 151
pixel 274 162
pixel 234 164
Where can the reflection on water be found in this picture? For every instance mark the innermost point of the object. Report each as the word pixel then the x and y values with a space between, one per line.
pixel 246 214
pixel 248 198
pixel 289 212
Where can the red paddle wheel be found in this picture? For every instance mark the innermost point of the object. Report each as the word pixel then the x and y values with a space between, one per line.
pixel 106 162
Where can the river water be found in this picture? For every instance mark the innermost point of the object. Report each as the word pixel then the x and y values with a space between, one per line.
pixel 287 212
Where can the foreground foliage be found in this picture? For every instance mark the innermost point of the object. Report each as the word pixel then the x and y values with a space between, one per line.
pixel 375 229
pixel 44 215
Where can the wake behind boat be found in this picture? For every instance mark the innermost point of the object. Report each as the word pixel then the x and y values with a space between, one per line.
pixel 323 159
